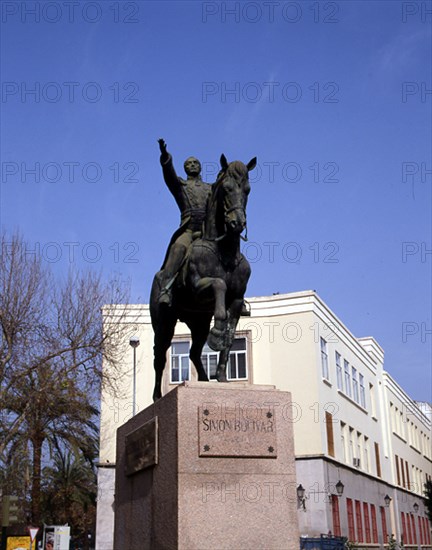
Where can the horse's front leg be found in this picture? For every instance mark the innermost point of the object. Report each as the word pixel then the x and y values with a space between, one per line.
pixel 233 315
pixel 218 287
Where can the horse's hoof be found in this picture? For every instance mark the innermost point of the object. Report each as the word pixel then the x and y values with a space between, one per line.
pixel 221 376
pixel 216 339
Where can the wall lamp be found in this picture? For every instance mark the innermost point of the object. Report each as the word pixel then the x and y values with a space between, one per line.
pixel 387 500
pixel 301 499
pixel 301 494
pixel 416 507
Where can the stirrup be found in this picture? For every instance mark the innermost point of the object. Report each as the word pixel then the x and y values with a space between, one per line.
pixel 165 297
pixel 246 309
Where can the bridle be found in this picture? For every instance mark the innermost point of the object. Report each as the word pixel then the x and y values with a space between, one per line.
pixel 232 209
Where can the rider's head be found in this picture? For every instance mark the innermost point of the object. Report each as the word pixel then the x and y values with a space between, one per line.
pixel 192 167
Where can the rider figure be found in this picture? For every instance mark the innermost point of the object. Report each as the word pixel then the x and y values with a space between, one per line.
pixel 191 197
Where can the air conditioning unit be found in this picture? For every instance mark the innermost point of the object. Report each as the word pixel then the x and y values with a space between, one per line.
pixel 356 462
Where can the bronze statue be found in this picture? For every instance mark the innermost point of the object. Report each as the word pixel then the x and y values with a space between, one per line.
pixel 212 276
pixel 191 197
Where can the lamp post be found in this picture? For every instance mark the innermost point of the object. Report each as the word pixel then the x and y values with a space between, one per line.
pixel 340 488
pixel 301 494
pixel 134 342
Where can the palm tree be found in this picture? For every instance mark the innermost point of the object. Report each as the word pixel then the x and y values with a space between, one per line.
pixel 428 500
pixel 60 417
pixel 69 493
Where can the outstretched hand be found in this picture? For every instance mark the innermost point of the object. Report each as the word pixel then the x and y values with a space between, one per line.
pixel 163 147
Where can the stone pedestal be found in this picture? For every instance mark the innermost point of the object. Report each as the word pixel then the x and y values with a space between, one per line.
pixel 208 466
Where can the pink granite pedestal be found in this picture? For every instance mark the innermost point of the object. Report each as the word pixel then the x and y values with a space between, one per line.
pixel 208 466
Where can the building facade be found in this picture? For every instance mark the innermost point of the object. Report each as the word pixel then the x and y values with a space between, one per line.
pixel 352 422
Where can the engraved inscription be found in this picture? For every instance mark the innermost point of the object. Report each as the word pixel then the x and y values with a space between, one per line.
pixel 141 447
pixel 237 425
pixel 236 431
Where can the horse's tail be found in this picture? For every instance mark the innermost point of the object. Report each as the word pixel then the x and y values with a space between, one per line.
pixel 154 298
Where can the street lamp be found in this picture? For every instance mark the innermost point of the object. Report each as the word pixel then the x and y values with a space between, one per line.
pixel 134 342
pixel 387 500
pixel 301 496
pixel 340 488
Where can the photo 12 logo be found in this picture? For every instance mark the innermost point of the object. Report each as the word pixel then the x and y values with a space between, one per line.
pixel 269 92
pixel 270 11
pixel 290 172
pixel 68 172
pixel 416 11
pixel 68 92
pixel 291 252
pixel 70 12
pixel 74 251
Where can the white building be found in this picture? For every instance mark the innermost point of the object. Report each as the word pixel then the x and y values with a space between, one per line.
pixel 352 422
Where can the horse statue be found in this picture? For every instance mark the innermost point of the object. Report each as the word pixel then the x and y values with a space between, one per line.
pixel 212 281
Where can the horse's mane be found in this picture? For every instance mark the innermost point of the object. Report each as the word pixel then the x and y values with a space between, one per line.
pixel 237 168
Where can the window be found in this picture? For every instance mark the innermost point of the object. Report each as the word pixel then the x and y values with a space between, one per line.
pixel 384 523
pixel 336 518
pixel 397 469
pixel 420 530
pixel 413 529
pixel 237 367
pixel 374 524
pixel 372 398
pixel 408 525
pixel 343 441
pixel 377 460
pixel 362 391
pixel 339 372
pixel 366 522
pixel 355 384
pixel 359 523
pixel 350 517
pixel 351 445
pixel 407 474
pixel 324 359
pixel 404 530
pixel 402 425
pixel 329 430
pixel 359 447
pixel 347 378
pixel 366 454
pixel 237 362
pixel 209 360
pixel 180 362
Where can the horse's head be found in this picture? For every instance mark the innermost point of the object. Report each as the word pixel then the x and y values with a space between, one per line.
pixel 233 189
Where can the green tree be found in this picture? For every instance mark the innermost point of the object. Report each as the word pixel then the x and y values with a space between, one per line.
pixel 69 494
pixel 428 498
pixel 52 342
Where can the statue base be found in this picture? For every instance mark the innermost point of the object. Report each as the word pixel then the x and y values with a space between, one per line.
pixel 208 466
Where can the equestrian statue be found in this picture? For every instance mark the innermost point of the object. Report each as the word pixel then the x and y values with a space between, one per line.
pixel 204 275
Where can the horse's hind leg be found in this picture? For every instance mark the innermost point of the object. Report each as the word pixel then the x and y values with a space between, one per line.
pixel 199 330
pixel 162 342
pixel 233 314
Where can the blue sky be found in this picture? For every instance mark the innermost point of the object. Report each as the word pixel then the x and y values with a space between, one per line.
pixel 332 97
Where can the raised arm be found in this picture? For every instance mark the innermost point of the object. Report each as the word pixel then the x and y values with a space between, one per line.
pixel 168 170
